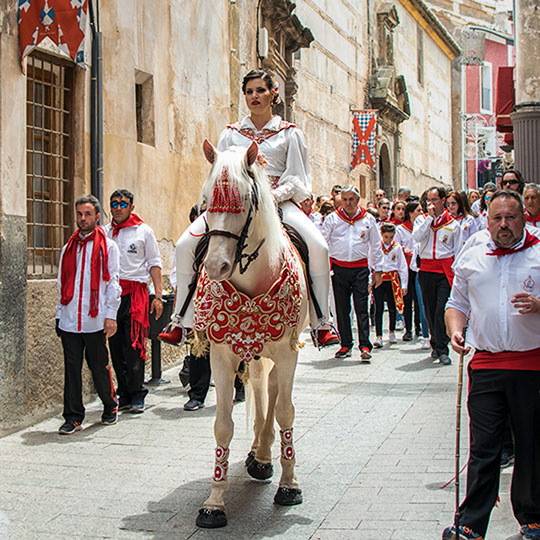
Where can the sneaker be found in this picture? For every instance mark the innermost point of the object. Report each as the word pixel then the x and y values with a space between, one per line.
pixel 69 427
pixel 176 336
pixel 325 338
pixel 531 531
pixel 109 418
pixel 418 332
pixel 344 352
pixel 365 353
pixel 193 405
pixel 426 344
pixel 507 459
pixel 240 394
pixel 465 533
pixel 378 342
pixel 392 338
pixel 407 336
pixel 137 406
pixel 184 372
pixel 124 403
pixel 400 325
pixel 444 359
pixel 434 354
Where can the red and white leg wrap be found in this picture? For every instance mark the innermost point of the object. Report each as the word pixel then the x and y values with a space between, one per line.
pixel 222 464
pixel 287 449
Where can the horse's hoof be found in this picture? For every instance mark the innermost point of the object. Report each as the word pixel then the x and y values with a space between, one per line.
pixel 260 471
pixel 211 519
pixel 288 496
pixel 250 458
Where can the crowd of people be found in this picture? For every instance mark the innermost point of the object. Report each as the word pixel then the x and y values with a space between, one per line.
pixel 425 256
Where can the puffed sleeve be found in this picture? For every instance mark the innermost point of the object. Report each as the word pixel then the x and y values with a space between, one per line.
pixel 224 141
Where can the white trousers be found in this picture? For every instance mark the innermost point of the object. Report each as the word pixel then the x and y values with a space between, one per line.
pixel 319 264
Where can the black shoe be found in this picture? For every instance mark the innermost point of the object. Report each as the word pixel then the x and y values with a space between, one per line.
pixel 124 403
pixel 417 332
pixel 137 406
pixel 407 336
pixel 240 394
pixel 109 418
pixel 434 354
pixel 465 533
pixel 193 405
pixel 507 458
pixel 69 427
pixel 184 372
pixel 444 359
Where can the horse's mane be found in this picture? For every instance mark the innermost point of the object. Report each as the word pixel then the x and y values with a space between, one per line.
pixel 266 217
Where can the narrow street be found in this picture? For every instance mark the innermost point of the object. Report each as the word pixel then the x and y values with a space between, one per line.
pixel 374 445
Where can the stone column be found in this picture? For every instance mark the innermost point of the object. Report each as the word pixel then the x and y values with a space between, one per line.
pixel 12 221
pixel 526 115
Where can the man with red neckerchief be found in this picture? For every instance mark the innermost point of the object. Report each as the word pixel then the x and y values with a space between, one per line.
pixel 354 246
pixel 531 200
pixel 139 261
pixel 88 299
pixel 440 239
pixel 497 285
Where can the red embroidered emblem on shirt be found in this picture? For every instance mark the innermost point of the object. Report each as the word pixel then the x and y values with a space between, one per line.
pixel 246 324
pixel 260 137
pixel 528 285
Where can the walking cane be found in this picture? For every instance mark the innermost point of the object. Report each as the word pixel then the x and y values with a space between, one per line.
pixel 458 431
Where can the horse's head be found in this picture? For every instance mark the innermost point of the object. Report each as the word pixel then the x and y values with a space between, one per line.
pixel 231 194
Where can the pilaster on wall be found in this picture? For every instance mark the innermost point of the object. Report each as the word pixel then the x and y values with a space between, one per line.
pixel 12 219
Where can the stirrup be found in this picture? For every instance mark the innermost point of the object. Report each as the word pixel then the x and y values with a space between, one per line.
pixel 169 329
pixel 315 333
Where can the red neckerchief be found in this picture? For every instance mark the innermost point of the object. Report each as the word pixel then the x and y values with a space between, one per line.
pixel 69 267
pixel 408 226
pixel 531 219
pixel 351 221
pixel 132 220
pixel 386 250
pixel 396 221
pixel 444 219
pixel 530 241
pixel 459 217
pixel 250 133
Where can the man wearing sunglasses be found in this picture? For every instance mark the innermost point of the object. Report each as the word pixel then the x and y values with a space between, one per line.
pixel 139 261
pixel 383 207
pixel 513 179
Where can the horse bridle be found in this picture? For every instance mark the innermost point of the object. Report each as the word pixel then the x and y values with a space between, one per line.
pixel 241 239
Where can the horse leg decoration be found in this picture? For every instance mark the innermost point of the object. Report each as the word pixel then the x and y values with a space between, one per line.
pixel 251 302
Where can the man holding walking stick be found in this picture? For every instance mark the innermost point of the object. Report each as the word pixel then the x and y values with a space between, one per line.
pixel 497 285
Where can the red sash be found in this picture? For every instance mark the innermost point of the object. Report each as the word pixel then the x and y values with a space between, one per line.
pixel 99 263
pixel 360 263
pixel 530 240
pixel 132 220
pixel 351 221
pixel 439 266
pixel 520 360
pixel 140 322
pixel 393 277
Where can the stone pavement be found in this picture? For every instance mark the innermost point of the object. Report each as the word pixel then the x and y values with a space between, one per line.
pixel 374 444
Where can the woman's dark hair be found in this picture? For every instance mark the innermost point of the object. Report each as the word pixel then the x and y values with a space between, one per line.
pixel 326 208
pixel 467 210
pixel 483 204
pixel 410 208
pixel 459 201
pixel 393 215
pixel 423 200
pixel 388 228
pixel 519 177
pixel 266 77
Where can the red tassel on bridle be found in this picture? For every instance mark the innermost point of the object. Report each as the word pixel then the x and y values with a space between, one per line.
pixel 226 197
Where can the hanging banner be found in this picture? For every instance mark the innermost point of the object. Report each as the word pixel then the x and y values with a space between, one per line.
pixel 364 134
pixel 62 21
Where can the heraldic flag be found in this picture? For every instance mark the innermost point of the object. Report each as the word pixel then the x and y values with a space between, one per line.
pixel 364 132
pixel 63 21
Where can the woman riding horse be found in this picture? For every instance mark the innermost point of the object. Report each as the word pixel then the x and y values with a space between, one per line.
pixel 282 147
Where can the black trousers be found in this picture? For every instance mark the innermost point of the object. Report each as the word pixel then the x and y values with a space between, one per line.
pixel 93 346
pixel 127 362
pixel 384 293
pixel 347 282
pixel 199 376
pixel 493 396
pixel 408 300
pixel 435 292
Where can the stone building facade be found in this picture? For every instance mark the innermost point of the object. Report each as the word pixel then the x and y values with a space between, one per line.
pixel 172 72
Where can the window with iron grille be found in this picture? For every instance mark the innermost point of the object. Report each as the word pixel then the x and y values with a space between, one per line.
pixel 49 176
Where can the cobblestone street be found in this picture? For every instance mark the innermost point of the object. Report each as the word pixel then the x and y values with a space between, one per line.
pixel 374 445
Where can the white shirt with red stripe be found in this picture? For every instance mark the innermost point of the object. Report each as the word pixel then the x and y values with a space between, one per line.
pixel 353 240
pixel 139 251
pixel 393 259
pixel 74 316
pixel 405 239
pixel 442 241
pixel 483 286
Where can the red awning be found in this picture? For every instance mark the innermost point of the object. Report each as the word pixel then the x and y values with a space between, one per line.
pixel 505 99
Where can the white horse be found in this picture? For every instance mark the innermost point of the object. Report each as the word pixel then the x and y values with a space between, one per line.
pixel 252 302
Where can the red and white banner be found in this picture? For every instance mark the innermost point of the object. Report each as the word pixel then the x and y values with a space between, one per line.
pixel 63 21
pixel 364 134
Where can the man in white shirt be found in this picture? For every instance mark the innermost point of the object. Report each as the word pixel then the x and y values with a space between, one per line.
pixel 354 245
pixel 497 285
pixel 88 299
pixel 440 239
pixel 139 261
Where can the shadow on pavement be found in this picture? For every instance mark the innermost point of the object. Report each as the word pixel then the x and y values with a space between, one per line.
pixel 37 438
pixel 420 365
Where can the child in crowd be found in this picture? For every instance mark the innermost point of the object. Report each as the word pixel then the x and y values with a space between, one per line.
pixel 394 285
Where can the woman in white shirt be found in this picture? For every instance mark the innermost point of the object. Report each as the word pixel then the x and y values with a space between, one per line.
pixel 283 152
pixel 459 208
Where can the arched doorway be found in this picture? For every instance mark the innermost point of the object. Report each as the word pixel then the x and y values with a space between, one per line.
pixel 385 170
